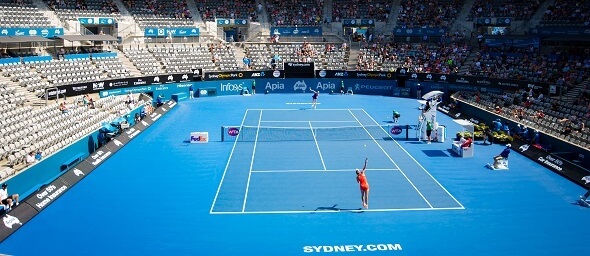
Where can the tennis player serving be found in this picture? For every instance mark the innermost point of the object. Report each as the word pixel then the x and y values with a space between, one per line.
pixel 362 180
pixel 314 98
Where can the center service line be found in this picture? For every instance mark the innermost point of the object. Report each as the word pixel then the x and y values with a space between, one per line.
pixel 317 145
pixel 251 163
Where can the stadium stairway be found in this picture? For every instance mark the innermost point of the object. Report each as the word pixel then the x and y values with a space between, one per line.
pixel 571 95
pixel 393 16
pixel 465 67
pixel 353 59
pixel 53 18
pixel 461 22
pixel 128 64
pixel 538 16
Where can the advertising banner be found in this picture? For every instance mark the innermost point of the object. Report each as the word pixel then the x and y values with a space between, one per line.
pixel 358 22
pixel 355 74
pixel 399 31
pixel 174 32
pixel 296 31
pixel 560 31
pixel 97 21
pixel 504 84
pixel 15 219
pixel 44 32
pixel 74 175
pixel 231 75
pixel 199 137
pixel 47 194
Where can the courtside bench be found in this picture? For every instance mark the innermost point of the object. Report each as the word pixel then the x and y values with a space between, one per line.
pixel 71 162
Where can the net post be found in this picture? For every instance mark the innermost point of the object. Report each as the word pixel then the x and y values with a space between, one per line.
pixel 407 131
pixel 222 138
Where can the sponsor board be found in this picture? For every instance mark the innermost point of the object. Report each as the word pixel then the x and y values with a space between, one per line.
pixel 296 31
pixel 47 194
pixel 43 32
pixel 174 32
pixel 15 219
pixel 233 75
pixel 77 173
pixel 355 74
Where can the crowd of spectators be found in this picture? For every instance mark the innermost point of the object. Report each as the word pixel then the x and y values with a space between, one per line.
pixel 378 10
pixel 519 10
pixel 108 6
pixel 564 68
pixel 442 58
pixel 230 9
pixel 429 13
pixel 174 9
pixel 290 13
pixel 567 13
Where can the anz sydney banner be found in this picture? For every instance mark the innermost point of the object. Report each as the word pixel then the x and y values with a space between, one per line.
pixel 560 31
pixel 175 32
pixel 296 31
pixel 355 74
pixel 419 31
pixel 44 32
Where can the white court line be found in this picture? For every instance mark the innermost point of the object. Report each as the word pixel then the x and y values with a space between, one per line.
pixel 251 163
pixel 344 210
pixel 415 161
pixel 317 145
pixel 293 109
pixel 396 166
pixel 283 121
pixel 336 170
pixel 227 165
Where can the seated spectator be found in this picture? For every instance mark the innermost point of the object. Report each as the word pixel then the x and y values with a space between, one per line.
pixel 31 158
pixel 160 101
pixel 63 108
pixel 7 200
pixel 540 114
pixel 39 155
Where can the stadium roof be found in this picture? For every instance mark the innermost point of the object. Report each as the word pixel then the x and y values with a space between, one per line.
pixel 23 39
pixel 74 38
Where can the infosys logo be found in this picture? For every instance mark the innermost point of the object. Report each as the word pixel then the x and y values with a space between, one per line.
pixel 230 87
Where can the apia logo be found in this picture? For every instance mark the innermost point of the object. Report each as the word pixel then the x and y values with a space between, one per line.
pixel 415 76
pixel 443 77
pixel 326 86
pixel 429 76
pixel 300 85
pixel 457 115
pixel 4 32
pixel 524 147
pixel 170 78
pixel 184 77
pixel 117 143
pixel 274 86
pixel 402 71
pixel 233 131
pixel 396 130
pixel 196 72
pixel 10 220
pixel 156 79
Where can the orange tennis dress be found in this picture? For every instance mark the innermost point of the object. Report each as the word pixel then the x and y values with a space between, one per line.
pixel 362 180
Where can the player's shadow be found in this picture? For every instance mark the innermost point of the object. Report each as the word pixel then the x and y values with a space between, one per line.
pixel 336 209
pixel 579 203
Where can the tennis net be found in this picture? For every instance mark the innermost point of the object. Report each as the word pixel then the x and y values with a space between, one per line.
pixel 268 133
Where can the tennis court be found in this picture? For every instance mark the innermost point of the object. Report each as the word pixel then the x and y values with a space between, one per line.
pixel 285 185
pixel 314 154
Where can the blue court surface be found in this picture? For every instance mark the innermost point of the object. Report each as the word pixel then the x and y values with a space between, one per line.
pixel 286 186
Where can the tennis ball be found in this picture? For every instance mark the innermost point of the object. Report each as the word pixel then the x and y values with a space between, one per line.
pixel 365 145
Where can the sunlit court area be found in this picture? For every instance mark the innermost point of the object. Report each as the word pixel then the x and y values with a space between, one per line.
pixel 266 127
